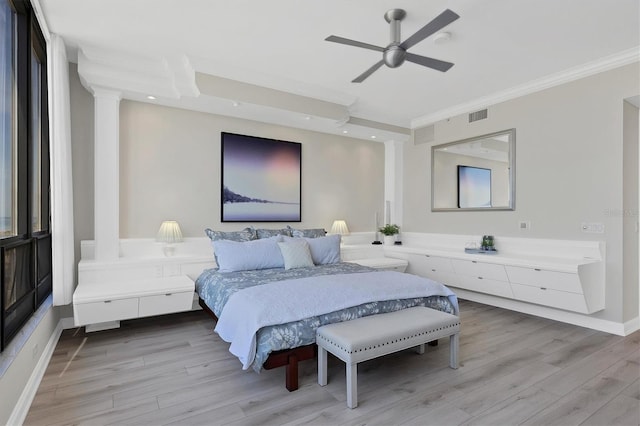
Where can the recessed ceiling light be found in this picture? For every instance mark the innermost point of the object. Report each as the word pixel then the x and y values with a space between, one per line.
pixel 151 97
pixel 373 137
pixel 236 104
pixel 307 117
pixel 345 131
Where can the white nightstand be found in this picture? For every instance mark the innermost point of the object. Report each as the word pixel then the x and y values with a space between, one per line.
pixel 102 305
pixel 386 263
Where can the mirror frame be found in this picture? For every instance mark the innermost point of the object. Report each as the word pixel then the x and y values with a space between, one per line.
pixel 512 172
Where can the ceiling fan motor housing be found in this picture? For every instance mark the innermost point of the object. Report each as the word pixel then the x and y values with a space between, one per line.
pixel 393 56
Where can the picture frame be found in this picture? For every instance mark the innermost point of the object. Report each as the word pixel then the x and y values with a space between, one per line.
pixel 261 179
pixel 474 187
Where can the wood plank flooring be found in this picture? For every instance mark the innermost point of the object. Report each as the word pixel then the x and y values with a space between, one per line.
pixel 514 369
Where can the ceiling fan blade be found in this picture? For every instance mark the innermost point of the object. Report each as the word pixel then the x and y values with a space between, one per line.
pixel 350 42
pixel 438 23
pixel 436 64
pixel 367 73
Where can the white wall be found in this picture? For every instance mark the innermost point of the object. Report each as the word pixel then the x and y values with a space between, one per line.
pixel 629 213
pixel 569 155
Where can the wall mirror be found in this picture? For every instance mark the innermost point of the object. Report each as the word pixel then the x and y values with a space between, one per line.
pixel 474 174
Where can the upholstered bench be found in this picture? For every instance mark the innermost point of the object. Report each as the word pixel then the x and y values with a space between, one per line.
pixel 377 335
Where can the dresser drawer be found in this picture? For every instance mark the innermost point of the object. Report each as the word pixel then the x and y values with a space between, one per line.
pixel 426 265
pixel 549 297
pixel 165 303
pixel 482 285
pixel 479 269
pixel 562 281
pixel 105 311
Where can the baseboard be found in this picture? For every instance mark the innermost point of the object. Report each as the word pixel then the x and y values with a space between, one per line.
pixel 632 326
pixel 21 408
pixel 620 329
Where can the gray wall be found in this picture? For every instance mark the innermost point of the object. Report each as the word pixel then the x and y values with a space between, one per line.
pixel 170 169
pixel 569 161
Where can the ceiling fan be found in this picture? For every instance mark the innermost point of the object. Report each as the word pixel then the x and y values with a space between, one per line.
pixel 396 52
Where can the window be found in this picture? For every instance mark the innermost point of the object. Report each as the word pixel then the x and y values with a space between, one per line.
pixel 8 185
pixel 25 238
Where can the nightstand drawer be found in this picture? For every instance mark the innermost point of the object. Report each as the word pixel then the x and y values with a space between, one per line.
pixel 165 303
pixel 105 311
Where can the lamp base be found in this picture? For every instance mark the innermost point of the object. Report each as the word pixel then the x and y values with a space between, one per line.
pixel 169 250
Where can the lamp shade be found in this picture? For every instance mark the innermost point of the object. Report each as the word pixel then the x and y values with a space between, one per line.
pixel 169 232
pixel 339 227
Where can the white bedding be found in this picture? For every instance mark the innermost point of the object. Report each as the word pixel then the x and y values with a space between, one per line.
pixel 282 302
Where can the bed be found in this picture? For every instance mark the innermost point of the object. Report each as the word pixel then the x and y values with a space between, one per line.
pixel 267 330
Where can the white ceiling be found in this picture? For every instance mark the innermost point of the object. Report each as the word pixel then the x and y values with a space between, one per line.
pixel 498 46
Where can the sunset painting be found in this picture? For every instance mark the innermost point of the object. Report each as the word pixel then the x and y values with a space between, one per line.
pixel 260 179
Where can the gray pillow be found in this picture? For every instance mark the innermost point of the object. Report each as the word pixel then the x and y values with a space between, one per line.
pixel 247 234
pixel 268 233
pixel 307 233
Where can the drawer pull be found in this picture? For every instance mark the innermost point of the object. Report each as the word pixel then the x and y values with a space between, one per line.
pixel 168 294
pixel 433 270
pixel 474 261
pixel 107 301
pixel 537 269
pixel 543 288
pixel 479 278
pixel 426 255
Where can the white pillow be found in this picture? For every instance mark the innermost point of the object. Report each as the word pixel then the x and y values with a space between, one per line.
pixel 295 253
pixel 235 256
pixel 324 250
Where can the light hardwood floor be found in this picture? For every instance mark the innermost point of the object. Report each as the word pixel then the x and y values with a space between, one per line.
pixel 515 369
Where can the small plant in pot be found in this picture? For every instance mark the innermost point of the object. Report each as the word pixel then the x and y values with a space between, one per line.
pixel 389 231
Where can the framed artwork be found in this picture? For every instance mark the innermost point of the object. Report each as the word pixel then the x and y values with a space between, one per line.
pixel 260 179
pixel 474 187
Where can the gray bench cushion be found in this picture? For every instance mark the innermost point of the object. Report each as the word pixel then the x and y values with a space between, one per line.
pixel 376 335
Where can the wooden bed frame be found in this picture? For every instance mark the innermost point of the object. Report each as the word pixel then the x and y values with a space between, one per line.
pixel 285 358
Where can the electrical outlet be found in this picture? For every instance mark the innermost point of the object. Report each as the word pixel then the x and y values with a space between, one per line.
pixel 524 225
pixel 593 227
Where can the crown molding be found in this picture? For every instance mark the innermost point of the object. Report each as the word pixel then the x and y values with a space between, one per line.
pixel 617 60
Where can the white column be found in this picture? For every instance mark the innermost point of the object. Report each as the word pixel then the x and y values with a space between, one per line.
pixel 393 159
pixel 106 174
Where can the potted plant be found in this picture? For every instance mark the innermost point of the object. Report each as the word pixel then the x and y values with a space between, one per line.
pixel 389 231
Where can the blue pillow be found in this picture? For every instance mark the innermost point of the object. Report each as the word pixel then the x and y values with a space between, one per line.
pixel 324 250
pixel 236 256
pixel 267 233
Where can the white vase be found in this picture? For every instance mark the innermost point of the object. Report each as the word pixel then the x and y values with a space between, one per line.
pixel 389 240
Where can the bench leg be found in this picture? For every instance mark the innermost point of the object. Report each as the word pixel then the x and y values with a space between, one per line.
pixel 420 349
pixel 453 350
pixel 352 385
pixel 322 366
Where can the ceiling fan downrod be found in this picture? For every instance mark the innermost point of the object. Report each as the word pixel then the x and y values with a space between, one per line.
pixel 393 54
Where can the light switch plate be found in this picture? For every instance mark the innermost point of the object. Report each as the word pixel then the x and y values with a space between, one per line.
pixel 593 227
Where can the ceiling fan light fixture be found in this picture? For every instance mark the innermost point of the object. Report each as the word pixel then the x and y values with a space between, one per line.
pixel 442 37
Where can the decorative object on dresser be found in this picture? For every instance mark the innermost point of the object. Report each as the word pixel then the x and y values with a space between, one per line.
pixel 169 234
pixel 389 231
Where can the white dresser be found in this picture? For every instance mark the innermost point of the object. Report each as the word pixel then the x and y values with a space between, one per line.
pixel 567 275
